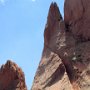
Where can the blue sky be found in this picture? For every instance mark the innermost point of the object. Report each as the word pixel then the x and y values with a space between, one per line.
pixel 22 24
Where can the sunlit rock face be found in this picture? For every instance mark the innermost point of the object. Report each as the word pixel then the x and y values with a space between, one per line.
pixel 51 73
pixel 11 77
pixel 65 62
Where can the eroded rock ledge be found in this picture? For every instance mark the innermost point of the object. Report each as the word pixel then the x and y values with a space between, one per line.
pixel 65 62
pixel 12 77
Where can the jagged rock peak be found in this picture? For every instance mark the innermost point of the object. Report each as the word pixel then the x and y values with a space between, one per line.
pixel 54 19
pixel 65 62
pixel 51 73
pixel 54 13
pixel 12 77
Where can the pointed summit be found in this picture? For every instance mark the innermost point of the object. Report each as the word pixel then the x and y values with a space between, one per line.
pixel 51 65
pixel 53 22
pixel 54 13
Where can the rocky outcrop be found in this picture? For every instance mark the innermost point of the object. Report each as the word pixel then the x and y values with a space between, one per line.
pixel 51 72
pixel 65 62
pixel 11 77
pixel 77 17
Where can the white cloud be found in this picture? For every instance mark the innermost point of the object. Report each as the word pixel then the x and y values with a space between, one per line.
pixel 2 2
pixel 33 0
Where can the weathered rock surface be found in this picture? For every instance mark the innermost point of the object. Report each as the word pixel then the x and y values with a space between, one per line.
pixel 77 17
pixel 51 73
pixel 65 62
pixel 11 77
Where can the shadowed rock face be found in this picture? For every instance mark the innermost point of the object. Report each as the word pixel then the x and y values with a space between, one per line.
pixel 65 62
pixel 11 77
pixel 77 17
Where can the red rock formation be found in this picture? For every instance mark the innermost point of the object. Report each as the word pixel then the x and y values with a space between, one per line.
pixel 77 17
pixel 65 62
pixel 51 73
pixel 11 77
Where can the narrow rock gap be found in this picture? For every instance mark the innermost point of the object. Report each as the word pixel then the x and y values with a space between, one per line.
pixel 68 68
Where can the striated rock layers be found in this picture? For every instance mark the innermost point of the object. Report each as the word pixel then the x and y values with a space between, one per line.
pixel 65 62
pixel 11 77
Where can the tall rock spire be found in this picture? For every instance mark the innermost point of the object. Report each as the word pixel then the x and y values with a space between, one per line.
pixel 65 62
pixel 53 20
pixel 54 14
pixel 51 69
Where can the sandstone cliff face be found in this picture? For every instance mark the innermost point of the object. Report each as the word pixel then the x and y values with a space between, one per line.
pixel 65 62
pixel 11 77
pixel 77 17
